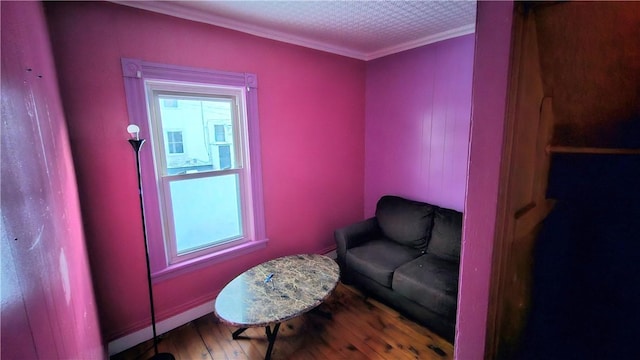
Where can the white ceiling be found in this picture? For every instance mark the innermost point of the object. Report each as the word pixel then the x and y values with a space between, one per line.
pixel 360 29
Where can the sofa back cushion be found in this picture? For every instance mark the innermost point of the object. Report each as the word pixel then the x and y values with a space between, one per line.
pixel 404 221
pixel 446 236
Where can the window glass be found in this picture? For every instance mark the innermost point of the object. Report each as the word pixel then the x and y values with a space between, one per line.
pixel 202 122
pixel 206 212
pixel 202 207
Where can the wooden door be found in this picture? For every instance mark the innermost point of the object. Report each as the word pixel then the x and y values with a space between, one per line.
pixel 522 201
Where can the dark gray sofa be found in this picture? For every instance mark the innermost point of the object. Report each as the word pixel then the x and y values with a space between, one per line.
pixel 407 256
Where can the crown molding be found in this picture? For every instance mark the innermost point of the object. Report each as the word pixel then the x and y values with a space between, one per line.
pixel 449 34
pixel 195 15
pixel 172 9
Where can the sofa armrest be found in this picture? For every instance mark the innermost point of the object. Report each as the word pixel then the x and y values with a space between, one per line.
pixel 353 235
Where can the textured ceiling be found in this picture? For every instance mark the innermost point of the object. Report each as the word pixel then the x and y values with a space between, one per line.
pixel 359 29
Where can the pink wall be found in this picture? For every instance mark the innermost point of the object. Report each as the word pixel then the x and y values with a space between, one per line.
pixel 311 108
pixel 491 68
pixel 418 109
pixel 48 306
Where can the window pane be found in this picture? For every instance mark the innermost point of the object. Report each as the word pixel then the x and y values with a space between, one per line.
pixel 206 211
pixel 225 156
pixel 219 133
pixel 193 129
pixel 174 142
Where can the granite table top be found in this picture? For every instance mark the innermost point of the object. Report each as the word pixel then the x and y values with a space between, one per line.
pixel 277 290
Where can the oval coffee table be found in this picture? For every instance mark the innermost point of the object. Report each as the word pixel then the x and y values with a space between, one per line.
pixel 276 291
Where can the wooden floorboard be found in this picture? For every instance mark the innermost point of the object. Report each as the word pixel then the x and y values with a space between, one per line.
pixel 358 328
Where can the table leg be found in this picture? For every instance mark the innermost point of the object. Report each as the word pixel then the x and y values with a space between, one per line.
pixel 271 336
pixel 237 333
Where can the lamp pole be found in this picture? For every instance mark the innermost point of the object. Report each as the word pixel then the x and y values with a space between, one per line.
pixel 137 143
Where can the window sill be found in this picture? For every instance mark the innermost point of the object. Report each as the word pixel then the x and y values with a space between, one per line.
pixel 207 260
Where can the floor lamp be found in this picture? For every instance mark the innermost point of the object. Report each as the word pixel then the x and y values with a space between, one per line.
pixel 136 143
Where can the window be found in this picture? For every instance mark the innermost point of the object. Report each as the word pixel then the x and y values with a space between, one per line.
pixel 224 152
pixel 201 171
pixel 174 142
pixel 219 133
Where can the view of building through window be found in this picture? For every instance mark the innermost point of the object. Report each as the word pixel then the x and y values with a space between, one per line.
pixel 198 134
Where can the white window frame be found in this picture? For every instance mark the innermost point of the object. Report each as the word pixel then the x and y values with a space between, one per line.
pixel 236 96
pixel 142 81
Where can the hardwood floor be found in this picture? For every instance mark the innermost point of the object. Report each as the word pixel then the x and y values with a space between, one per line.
pixel 359 328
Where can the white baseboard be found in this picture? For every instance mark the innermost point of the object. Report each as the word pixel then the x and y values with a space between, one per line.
pixel 142 335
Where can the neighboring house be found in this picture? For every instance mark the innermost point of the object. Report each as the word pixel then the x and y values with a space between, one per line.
pixel 197 135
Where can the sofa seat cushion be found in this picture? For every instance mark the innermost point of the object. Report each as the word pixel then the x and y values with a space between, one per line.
pixel 404 221
pixel 377 259
pixel 431 282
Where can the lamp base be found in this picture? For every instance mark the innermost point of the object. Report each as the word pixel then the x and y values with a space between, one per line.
pixel 162 356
